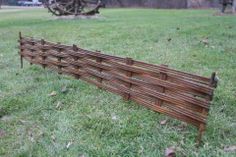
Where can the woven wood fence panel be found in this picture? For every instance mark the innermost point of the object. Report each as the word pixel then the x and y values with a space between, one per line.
pixel 178 94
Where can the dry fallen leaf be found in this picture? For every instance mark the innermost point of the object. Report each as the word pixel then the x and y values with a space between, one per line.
pixel 170 152
pixel 64 89
pixel 230 149
pixel 114 117
pixel 59 105
pixel 53 138
pixel 54 93
pixel 163 122
pixel 68 144
pixel 205 41
pixel 31 137
pixel 141 150
pixel 5 118
pixel 2 133
pixel 182 126
pixel 22 121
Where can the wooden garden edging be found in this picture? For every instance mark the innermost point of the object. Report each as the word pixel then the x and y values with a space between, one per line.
pixel 178 94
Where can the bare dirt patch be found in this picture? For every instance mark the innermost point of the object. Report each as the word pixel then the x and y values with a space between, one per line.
pixel 16 8
pixel 79 17
pixel 226 13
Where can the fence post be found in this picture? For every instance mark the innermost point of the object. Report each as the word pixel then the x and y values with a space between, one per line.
pixel 99 60
pixel 234 6
pixel 32 57
pixel 201 129
pixel 42 41
pixel 129 61
pixel 59 59
pixel 163 76
pixel 21 57
pixel 75 48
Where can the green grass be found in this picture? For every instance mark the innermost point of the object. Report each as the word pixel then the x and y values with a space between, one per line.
pixel 34 125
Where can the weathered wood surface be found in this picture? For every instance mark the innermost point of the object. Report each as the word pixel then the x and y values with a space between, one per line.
pixel 181 95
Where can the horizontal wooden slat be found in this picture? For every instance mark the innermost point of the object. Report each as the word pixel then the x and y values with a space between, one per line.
pixel 172 100
pixel 195 86
pixel 185 75
pixel 148 85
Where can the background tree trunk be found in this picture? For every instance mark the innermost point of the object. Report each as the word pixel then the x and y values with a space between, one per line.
pixel 234 6
pixel 120 3
pixel 0 3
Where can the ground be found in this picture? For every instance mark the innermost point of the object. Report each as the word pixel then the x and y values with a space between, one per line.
pixel 86 121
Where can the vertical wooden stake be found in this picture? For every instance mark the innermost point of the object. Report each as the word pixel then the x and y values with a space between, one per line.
pixel 43 57
pixel 59 59
pixel 21 57
pixel 42 41
pixel 20 36
pixel 21 61
pixel 32 44
pixel 129 61
pixel 75 48
pixel 99 60
pixel 201 129
pixel 163 76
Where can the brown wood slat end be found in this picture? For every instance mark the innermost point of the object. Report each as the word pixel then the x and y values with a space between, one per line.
pixel 214 80
pixel 181 95
pixel 213 83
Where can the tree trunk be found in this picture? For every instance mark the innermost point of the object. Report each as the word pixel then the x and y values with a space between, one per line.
pixel 234 6
pixel 120 3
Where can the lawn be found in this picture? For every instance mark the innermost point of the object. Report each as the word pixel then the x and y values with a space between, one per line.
pixel 87 121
